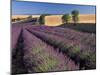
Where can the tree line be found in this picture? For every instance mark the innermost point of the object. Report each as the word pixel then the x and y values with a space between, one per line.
pixel 66 18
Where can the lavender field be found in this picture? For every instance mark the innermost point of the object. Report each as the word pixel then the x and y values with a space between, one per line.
pixel 43 48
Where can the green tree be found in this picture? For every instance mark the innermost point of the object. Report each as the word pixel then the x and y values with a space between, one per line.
pixel 18 19
pixel 75 16
pixel 13 20
pixel 29 17
pixel 42 19
pixel 66 18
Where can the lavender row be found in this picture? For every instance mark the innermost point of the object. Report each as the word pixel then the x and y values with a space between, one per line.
pixel 40 57
pixel 15 32
pixel 84 38
pixel 75 50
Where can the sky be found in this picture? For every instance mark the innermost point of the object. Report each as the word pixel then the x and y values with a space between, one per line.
pixel 37 8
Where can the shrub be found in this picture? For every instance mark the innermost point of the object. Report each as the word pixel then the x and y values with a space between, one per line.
pixel 29 17
pixel 66 18
pixel 42 19
pixel 18 19
pixel 75 16
pixel 13 20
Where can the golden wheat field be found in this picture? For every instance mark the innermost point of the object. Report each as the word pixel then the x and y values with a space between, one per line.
pixel 56 19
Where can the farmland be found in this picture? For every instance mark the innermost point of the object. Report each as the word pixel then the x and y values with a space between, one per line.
pixel 56 20
pixel 41 48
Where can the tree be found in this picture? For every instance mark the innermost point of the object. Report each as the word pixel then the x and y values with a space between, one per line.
pixel 29 17
pixel 42 19
pixel 75 16
pixel 13 20
pixel 66 18
pixel 18 19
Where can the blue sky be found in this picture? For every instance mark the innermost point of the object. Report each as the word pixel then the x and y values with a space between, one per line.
pixel 27 8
